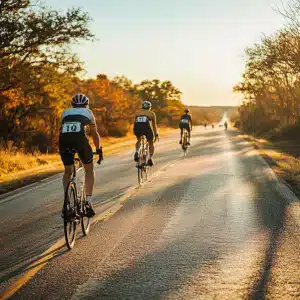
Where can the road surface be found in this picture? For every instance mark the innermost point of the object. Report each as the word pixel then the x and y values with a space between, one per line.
pixel 216 224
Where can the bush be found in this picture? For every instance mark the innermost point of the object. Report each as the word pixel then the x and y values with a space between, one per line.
pixel 119 129
pixel 290 132
pixel 40 142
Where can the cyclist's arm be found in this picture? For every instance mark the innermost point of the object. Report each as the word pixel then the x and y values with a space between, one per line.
pixel 191 123
pixel 95 135
pixel 154 124
pixel 94 132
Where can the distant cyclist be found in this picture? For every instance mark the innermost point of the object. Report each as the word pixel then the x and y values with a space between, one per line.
pixel 226 125
pixel 73 139
pixel 145 124
pixel 186 123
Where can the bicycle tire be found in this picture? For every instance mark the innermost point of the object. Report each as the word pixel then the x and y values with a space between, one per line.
pixel 146 158
pixel 184 143
pixel 139 168
pixel 85 221
pixel 69 208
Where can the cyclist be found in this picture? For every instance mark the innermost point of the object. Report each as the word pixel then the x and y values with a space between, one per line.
pixel 73 138
pixel 145 124
pixel 186 122
pixel 226 125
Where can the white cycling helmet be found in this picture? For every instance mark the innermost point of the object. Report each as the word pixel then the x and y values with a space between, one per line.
pixel 146 105
pixel 80 100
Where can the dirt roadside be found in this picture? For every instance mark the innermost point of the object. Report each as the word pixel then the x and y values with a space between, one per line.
pixel 283 157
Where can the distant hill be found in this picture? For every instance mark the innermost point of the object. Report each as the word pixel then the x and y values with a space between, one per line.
pixel 210 114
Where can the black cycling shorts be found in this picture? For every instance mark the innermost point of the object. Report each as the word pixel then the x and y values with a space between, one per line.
pixel 140 130
pixel 67 150
pixel 186 126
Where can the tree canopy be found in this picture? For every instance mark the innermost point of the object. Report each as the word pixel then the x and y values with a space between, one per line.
pixel 271 80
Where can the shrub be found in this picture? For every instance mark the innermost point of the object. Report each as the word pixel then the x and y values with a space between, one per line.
pixel 119 129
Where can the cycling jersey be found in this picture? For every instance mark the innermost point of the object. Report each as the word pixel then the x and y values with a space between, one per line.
pixel 73 138
pixel 186 121
pixel 75 119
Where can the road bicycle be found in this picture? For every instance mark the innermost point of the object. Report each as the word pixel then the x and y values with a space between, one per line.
pixel 142 163
pixel 184 144
pixel 74 208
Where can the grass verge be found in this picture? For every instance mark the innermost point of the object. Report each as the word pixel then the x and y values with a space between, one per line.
pixel 18 169
pixel 283 157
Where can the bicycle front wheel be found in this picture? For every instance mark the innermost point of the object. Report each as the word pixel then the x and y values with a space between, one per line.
pixel 85 221
pixel 70 209
pixel 184 143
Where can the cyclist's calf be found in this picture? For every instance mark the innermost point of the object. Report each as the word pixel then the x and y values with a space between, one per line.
pixel 67 176
pixel 151 147
pixel 89 178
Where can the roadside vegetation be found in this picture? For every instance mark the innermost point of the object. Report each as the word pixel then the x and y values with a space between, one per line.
pixel 270 112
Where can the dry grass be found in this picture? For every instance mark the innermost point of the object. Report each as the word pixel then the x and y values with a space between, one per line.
pixel 18 169
pixel 283 157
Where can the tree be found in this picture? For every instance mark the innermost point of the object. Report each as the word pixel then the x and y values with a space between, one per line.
pixel 33 35
pixel 158 93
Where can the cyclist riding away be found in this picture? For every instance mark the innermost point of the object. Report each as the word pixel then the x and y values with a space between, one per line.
pixel 226 125
pixel 145 124
pixel 186 123
pixel 73 139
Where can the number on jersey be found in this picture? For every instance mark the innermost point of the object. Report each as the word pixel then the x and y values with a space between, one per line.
pixel 141 119
pixel 71 127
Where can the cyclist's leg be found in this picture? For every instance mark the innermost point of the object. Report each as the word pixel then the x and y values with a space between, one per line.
pixel 137 132
pixel 89 178
pixel 151 147
pixel 188 134
pixel 67 176
pixel 150 140
pixel 67 158
pixel 137 148
pixel 86 157
pixel 181 133
pixel 89 186
pixel 138 143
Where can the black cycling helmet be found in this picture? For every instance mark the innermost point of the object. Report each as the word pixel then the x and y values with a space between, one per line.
pixel 80 100
pixel 146 105
pixel 186 110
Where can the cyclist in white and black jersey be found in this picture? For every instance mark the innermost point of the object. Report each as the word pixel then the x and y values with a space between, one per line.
pixel 186 122
pixel 73 139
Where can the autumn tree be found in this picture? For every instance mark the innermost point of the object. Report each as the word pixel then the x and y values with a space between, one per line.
pixel 34 40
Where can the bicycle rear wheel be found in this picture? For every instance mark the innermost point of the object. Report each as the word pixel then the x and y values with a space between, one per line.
pixel 140 167
pixel 70 222
pixel 184 143
pixel 145 163
pixel 85 221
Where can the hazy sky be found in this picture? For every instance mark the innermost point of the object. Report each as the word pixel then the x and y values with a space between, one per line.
pixel 197 44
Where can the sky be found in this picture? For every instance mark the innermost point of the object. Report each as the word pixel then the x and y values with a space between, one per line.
pixel 197 44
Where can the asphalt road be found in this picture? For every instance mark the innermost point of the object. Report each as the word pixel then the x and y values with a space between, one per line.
pixel 216 224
